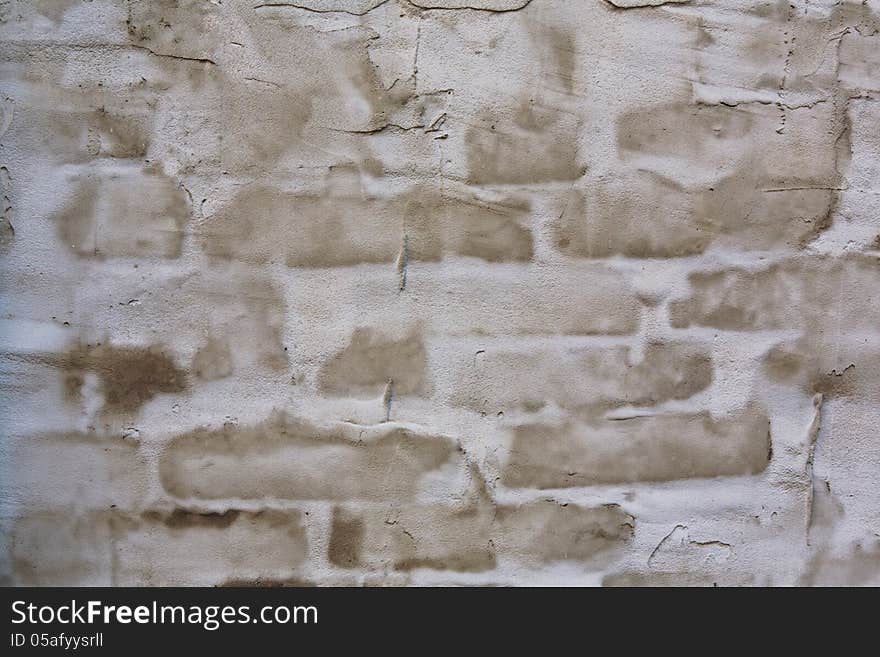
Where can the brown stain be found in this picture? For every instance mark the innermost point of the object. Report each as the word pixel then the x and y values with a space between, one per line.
pixel 384 103
pixel 740 205
pixel 558 52
pixel 772 10
pixel 681 129
pixel 72 384
pixel 838 369
pixel 469 561
pixel 433 537
pixel 188 519
pixel 213 360
pixel 244 324
pixel 132 214
pixel 439 224
pixel 298 114
pixel 290 582
pixel 184 519
pixel 55 548
pixel 370 360
pixel 129 376
pixel 650 448
pixel 703 37
pixel 548 531
pixel 565 49
pixel 858 15
pixel 231 321
pixel 99 470
pixel 182 28
pixel 641 215
pixel 346 539
pixel 163 547
pixel 338 227
pixel 810 149
pixel 667 371
pixel 88 122
pixel 526 143
pixel 793 293
pixel 588 381
pixel 285 458
pixel 7 230
pixel 252 147
pixel 783 364
pixel 778 168
pixel 76 222
pixel 342 225
pixel 468 538
pixel 720 308
pixel 767 45
pixel 117 135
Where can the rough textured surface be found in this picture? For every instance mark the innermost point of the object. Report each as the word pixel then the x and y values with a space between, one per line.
pixel 393 292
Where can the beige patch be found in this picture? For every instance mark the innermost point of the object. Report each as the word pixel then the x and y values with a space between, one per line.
pixel 283 458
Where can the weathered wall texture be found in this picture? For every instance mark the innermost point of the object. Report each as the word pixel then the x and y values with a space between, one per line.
pixel 440 292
